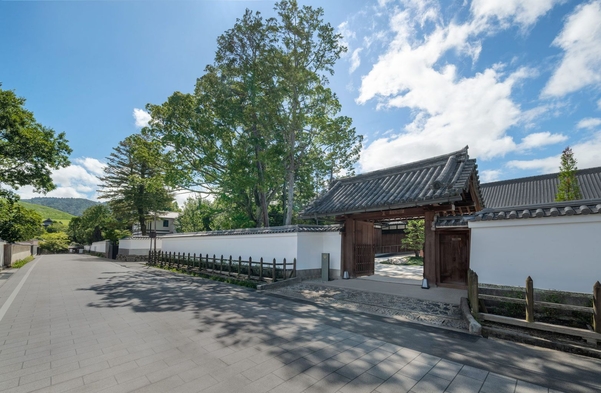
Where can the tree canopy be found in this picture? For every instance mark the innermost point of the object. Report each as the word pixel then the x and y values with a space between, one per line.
pixel 262 131
pixel 134 181
pixel 18 223
pixel 568 188
pixel 29 151
pixel 95 224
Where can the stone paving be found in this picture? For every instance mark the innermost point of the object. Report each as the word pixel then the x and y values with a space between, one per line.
pixel 83 324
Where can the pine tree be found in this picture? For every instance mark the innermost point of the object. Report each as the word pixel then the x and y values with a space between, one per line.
pixel 415 236
pixel 568 188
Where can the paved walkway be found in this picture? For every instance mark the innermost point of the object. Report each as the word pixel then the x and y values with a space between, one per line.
pixel 83 324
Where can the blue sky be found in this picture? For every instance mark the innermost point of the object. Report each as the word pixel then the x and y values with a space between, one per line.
pixel 516 80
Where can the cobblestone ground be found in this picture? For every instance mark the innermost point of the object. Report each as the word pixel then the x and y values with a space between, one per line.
pixel 401 308
pixel 73 323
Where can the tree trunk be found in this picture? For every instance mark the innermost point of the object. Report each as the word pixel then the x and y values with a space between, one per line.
pixel 142 219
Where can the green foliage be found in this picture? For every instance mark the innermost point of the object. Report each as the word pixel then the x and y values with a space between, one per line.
pixel 22 262
pixel 95 224
pixel 73 206
pixel 55 242
pixel 28 150
pixel 261 128
pixel 18 223
pixel 197 216
pixel 48 212
pixel 416 235
pixel 56 227
pixel 134 181
pixel 568 189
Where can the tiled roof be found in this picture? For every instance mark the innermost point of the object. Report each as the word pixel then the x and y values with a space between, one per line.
pixel 538 189
pixel 555 209
pixel 439 179
pixel 453 221
pixel 254 231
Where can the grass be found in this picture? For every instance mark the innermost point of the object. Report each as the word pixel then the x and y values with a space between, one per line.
pixel 22 262
pixel 48 212
pixel 227 280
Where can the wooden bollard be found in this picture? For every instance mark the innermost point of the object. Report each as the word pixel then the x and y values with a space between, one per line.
pixel 294 267
pixel 229 267
pixel 239 265
pixel 597 307
pixel 250 266
pixel 221 265
pixel 284 269
pixel 529 300
pixel 261 269
pixel 273 271
pixel 472 294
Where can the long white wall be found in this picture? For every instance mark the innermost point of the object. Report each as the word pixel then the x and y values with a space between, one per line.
pixel 101 246
pixel 137 246
pixel 561 253
pixel 306 247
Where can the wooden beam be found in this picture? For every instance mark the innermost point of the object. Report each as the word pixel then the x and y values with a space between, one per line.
pixel 547 327
pixel 430 249
pixel 567 307
pixel 413 212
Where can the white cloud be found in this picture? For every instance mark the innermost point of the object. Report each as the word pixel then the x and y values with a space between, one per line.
pixel 540 139
pixel 589 122
pixel 347 35
pixel 587 153
pixel 522 12
pixel 355 60
pixel 490 175
pixel 142 117
pixel 581 41
pixel 78 180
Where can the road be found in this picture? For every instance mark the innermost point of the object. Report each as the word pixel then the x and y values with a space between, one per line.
pixel 84 324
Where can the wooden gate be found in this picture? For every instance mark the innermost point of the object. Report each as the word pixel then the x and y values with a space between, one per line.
pixel 364 259
pixel 454 257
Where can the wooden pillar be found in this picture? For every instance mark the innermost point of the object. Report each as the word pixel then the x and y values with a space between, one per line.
pixel 529 300
pixel 348 251
pixel 430 249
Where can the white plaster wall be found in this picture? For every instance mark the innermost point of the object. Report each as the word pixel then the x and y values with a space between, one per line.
pixel 561 253
pixel 138 246
pixel 312 244
pixel 266 246
pixel 2 252
pixel 101 246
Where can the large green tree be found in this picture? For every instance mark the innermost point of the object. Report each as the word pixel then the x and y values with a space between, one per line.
pixel 261 128
pixel 415 236
pixel 18 223
pixel 97 223
pixel 29 151
pixel 134 181
pixel 568 188
pixel 197 215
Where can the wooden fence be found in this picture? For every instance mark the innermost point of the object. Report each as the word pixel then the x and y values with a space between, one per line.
pixel 242 269
pixel 592 336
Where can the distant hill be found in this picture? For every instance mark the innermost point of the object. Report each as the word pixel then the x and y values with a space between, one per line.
pixel 73 206
pixel 48 212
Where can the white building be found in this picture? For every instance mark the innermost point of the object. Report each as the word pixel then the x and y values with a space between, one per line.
pixel 162 222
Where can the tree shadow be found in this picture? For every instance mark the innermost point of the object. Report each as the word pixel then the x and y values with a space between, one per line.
pixel 290 329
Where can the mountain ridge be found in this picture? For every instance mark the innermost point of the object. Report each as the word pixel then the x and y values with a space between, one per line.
pixel 73 206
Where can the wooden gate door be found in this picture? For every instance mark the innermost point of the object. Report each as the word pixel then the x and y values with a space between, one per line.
pixel 454 258
pixel 365 249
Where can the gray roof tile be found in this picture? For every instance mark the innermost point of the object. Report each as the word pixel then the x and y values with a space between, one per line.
pixel 538 189
pixel 554 209
pixel 435 180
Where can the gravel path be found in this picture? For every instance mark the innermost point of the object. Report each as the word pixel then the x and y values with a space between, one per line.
pixel 399 307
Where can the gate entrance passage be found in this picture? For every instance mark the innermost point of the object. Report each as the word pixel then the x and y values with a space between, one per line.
pixel 440 190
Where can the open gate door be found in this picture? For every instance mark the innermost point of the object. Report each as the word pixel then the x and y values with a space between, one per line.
pixel 364 249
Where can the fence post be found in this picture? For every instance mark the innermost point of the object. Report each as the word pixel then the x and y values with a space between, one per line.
pixel 194 262
pixel 597 307
pixel 472 292
pixel 284 277
pixel 150 257
pixel 529 300
pixel 161 258
pixel 229 267
pixel 239 265
pixel 250 265
pixel 179 259
pixel 221 265
pixel 188 263
pixel 261 269
pixel 293 267
pixel 273 271
pixel 169 260
pixel 213 263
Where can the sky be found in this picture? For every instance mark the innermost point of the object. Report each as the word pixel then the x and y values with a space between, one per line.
pixel 516 80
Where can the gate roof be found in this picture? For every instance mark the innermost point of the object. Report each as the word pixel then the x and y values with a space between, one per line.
pixel 437 180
